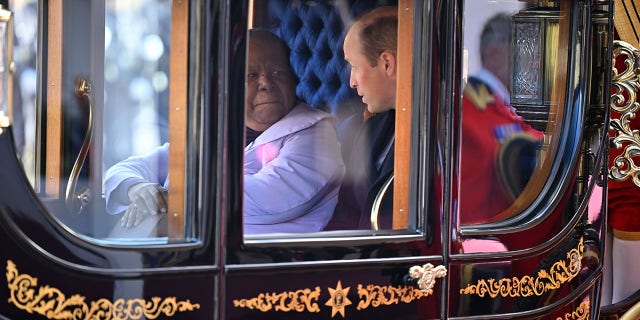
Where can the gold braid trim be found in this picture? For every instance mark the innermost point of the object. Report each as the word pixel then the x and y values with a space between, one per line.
pixel 479 95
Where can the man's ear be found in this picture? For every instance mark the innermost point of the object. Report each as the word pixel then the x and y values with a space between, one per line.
pixel 389 63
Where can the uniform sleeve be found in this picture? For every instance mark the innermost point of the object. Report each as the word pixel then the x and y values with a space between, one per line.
pixel 151 167
pixel 305 169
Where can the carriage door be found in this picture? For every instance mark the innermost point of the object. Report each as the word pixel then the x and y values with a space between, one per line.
pixel 358 268
pixel 529 227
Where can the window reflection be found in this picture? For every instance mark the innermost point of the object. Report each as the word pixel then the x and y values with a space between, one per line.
pixel 135 145
pixel 499 147
pixel 24 101
pixel 132 118
pixel 502 137
pixel 136 72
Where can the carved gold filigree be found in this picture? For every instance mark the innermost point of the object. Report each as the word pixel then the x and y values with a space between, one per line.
pixel 560 272
pixel 625 85
pixel 427 276
pixel 299 301
pixel 581 312
pixel 375 296
pixel 54 304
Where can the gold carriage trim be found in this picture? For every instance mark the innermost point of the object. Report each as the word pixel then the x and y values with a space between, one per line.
pixel 625 85
pixel 306 300
pixel 299 301
pixel 561 272
pixel 375 296
pixel 53 304
pixel 581 312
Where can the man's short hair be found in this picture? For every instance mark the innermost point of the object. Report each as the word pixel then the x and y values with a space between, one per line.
pixel 378 32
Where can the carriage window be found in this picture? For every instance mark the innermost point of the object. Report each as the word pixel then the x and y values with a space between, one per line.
pixel 136 149
pixel 508 117
pixel 24 82
pixel 98 145
pixel 327 105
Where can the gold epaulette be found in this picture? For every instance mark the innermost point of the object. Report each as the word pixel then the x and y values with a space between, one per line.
pixel 479 94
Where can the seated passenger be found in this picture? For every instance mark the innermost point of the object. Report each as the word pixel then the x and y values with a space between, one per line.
pixel 292 162
pixel 370 49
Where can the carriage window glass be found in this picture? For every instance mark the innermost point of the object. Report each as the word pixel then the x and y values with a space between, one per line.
pixel 97 145
pixel 321 116
pixel 136 126
pixel 507 114
pixel 24 82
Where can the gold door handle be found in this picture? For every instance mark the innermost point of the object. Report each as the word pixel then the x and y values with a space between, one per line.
pixel 71 197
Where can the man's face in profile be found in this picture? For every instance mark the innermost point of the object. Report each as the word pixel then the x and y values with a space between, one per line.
pixel 376 84
pixel 270 86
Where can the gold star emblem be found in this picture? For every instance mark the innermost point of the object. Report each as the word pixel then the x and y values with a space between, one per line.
pixel 338 299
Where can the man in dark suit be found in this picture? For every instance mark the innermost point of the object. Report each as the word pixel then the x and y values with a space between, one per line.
pixel 370 48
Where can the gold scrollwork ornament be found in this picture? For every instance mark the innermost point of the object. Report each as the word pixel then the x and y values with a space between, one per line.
pixel 427 276
pixel 560 272
pixel 375 296
pixel 304 300
pixel 581 312
pixel 52 303
pixel 625 85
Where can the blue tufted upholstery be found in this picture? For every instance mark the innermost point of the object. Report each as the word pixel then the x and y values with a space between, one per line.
pixel 314 31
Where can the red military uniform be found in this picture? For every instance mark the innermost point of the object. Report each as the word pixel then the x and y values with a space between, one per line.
pixel 487 121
